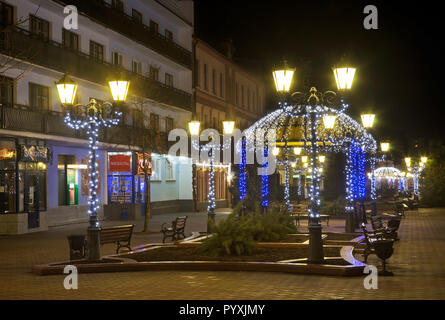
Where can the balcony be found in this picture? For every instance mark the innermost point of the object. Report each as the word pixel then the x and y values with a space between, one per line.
pixel 51 54
pixel 21 118
pixel 120 22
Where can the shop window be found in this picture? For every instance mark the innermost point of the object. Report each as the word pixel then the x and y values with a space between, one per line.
pixel 156 171
pixel 68 180
pixel 120 178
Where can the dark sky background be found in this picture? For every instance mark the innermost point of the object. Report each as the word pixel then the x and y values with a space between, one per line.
pixel 398 65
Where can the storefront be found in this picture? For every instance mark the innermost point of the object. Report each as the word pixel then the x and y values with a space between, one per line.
pixel 222 180
pixel 23 181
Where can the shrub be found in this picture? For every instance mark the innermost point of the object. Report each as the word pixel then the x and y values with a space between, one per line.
pixel 238 235
pixel 231 236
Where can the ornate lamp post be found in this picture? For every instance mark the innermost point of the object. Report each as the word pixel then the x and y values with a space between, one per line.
pixel 283 79
pixel 92 116
pixel 415 171
pixel 228 127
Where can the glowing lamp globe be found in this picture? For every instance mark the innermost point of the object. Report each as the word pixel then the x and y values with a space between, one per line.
pixel 304 159
pixel 322 159
pixel 297 151
pixel 194 127
pixel 67 89
pixel 283 78
pixel 228 126
pixel 275 151
pixel 424 159
pixel 344 77
pixel 329 121
pixel 384 146
pixel 293 164
pixel 119 89
pixel 408 161
pixel 368 120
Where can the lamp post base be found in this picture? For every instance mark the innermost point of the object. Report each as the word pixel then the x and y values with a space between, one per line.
pixel 315 244
pixel 211 217
pixel 350 222
pixel 93 245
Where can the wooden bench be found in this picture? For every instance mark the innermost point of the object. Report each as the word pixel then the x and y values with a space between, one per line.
pixel 370 237
pixel 121 235
pixel 175 230
pixel 301 210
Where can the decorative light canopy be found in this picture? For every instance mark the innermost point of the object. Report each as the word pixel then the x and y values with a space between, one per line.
pixel 368 120
pixel 384 146
pixel 67 89
pixel 344 77
pixel 283 78
pixel 228 126
pixel 329 121
pixel 194 127
pixel 119 89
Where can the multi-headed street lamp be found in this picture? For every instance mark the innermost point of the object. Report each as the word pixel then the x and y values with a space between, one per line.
pixel 415 171
pixel 283 80
pixel 228 127
pixel 92 116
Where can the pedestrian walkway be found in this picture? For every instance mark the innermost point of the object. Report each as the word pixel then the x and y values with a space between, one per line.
pixel 418 264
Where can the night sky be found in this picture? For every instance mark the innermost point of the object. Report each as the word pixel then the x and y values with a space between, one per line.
pixel 398 64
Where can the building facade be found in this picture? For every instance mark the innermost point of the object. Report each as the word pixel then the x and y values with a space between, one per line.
pixel 43 175
pixel 224 91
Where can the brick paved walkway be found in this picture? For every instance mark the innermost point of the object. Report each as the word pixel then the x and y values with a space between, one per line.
pixel 418 263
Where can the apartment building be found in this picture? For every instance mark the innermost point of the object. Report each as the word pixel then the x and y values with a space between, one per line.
pixel 224 91
pixel 43 180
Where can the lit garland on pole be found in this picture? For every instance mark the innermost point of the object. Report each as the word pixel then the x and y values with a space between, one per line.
pixel 265 182
pixel 242 172
pixel 211 196
pixel 286 184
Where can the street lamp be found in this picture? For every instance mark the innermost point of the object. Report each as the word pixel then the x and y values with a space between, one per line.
pixel 344 77
pixel 368 120
pixel 283 78
pixel 384 146
pixel 92 116
pixel 408 162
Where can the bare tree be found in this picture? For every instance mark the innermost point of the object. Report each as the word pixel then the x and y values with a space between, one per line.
pixel 15 51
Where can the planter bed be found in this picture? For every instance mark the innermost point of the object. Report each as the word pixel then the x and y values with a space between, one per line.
pixel 173 253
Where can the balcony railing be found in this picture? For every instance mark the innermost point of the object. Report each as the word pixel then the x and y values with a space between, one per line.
pixel 121 22
pixel 22 118
pixel 30 47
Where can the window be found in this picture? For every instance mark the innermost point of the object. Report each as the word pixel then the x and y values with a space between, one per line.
pixel 236 94
pixel 221 85
pixel 6 14
pixel 248 98
pixel 214 81
pixel 118 4
pixel 205 77
pixel 168 35
pixel 168 79
pixel 242 95
pixel 6 91
pixel 137 16
pixel 154 122
pixel 156 170
pixel 197 73
pixel 154 73
pixel 168 124
pixel 70 40
pixel 154 27
pixel 38 97
pixel 96 51
pixel 39 27
pixel 117 59
pixel 169 170
pixel 137 67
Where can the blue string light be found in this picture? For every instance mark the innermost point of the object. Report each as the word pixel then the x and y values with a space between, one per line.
pixel 242 172
pixel 265 182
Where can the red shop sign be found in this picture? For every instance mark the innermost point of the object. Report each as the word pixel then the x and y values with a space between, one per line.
pixel 119 163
